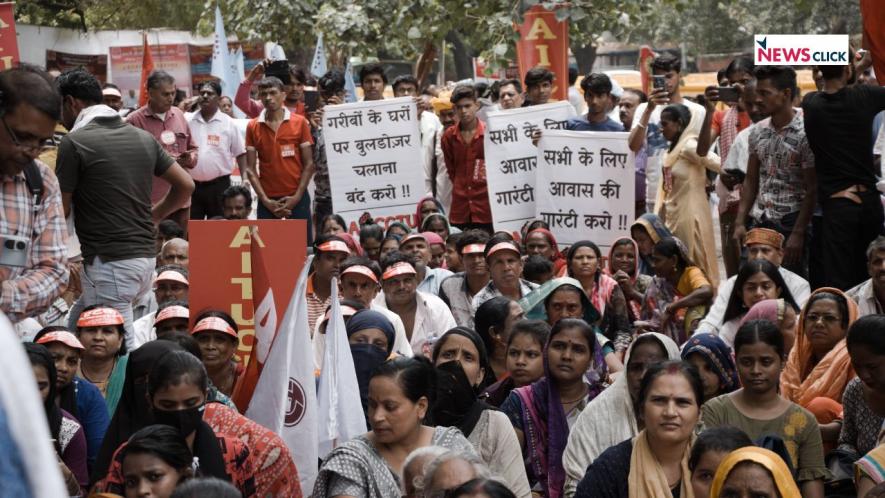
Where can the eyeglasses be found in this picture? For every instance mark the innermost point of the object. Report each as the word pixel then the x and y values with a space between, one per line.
pixel 827 319
pixel 12 136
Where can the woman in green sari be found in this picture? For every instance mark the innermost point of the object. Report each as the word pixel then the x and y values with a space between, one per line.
pixel 100 330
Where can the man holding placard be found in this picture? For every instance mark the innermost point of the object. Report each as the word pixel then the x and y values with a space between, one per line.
pixel 597 89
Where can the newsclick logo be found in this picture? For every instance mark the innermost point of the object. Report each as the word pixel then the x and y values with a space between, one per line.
pixel 800 50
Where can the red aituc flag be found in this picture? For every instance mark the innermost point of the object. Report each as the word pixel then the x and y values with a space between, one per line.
pixel 265 319
pixel 147 67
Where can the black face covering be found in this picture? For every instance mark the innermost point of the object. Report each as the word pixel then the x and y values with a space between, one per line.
pixel 366 358
pixel 186 421
pixel 456 401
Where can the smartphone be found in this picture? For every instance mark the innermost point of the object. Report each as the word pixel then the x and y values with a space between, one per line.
pixel 311 100
pixel 740 175
pixel 279 69
pixel 659 82
pixel 728 94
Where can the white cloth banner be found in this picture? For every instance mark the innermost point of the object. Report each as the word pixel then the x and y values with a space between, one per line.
pixel 511 159
pixel 585 185
pixel 374 155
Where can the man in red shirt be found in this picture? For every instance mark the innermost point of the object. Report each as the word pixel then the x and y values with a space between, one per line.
pixel 281 141
pixel 462 146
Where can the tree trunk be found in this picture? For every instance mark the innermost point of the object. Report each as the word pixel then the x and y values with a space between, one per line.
pixel 461 55
pixel 585 56
pixel 425 62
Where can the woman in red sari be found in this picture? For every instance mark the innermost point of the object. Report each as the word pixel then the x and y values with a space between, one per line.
pixel 541 241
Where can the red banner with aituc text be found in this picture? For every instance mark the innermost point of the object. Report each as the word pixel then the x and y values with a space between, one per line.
pixel 8 43
pixel 543 41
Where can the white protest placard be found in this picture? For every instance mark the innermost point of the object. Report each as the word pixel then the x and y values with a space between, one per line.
pixel 375 162
pixel 585 185
pixel 511 159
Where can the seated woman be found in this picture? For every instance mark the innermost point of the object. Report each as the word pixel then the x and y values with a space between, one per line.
pixel 74 395
pixel 525 359
pixel 438 224
pixel 390 244
pixel 371 236
pixel 332 224
pixel 679 294
pixel 866 345
pixel 156 459
pixel 218 336
pixel 401 393
pixel 68 437
pixel 758 409
pixel 427 206
pixel 462 370
pixel 100 330
pixel 565 298
pixel 780 313
pixel 623 266
pixel 655 462
pixel 610 418
pixel 543 412
pixel 756 472
pixel 756 281
pixel 371 336
pixel 713 359
pixel 584 262
pixel 437 247
pixel 174 395
pixel 397 229
pixel 541 241
pixel 494 321
pixel 708 451
pixel 819 367
pixel 647 231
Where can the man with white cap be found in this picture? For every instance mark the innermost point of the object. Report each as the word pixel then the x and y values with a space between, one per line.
pixel 504 260
pixel 330 252
pixel 417 245
pixel 112 97
pixel 458 290
pixel 425 316
pixel 170 285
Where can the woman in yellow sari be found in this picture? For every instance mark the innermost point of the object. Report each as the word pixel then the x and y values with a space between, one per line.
pixel 755 472
pixel 682 196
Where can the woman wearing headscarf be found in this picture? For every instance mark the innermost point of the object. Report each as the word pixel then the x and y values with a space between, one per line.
pixel 371 337
pixel 610 418
pixel 438 224
pixel 682 196
pixel 541 241
pixel 68 437
pixel 647 231
pixel 754 465
pixel 623 266
pixel 715 363
pixel 819 367
pixel 585 265
pixel 426 206
pixel 463 370
pixel 543 412
pixel 778 312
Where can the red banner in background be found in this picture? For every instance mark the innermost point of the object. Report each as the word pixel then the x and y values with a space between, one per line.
pixel 8 42
pixel 221 268
pixel 543 41
pixel 97 65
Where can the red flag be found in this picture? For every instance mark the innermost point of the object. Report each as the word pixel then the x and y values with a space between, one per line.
pixel 265 319
pixel 147 67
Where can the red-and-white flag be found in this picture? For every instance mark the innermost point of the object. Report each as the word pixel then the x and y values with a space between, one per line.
pixel 285 398
pixel 338 386
pixel 265 319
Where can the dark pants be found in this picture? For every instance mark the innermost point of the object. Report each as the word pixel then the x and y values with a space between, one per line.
pixel 848 228
pixel 301 211
pixel 731 250
pixel 485 227
pixel 206 199
pixel 785 227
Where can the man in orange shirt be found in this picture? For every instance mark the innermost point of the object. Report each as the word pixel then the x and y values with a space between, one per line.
pixel 281 141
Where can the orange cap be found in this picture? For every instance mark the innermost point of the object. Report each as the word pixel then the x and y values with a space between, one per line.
pixel 99 317
pixel 474 249
pixel 333 246
pixel 214 324
pixel 173 276
pixel 765 236
pixel 397 269
pixel 172 312
pixel 503 246
pixel 361 270
pixel 62 336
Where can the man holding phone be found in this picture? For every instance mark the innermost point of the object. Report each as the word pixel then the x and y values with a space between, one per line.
pixel 281 140
pixel 646 131
pixel 292 77
pixel 726 125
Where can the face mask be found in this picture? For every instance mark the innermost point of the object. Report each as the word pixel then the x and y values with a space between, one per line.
pixel 366 359
pixel 186 421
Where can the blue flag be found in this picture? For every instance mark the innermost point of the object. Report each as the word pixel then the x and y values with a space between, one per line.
pixel 318 68
pixel 349 84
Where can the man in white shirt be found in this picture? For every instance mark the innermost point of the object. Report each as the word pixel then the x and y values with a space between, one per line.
pixel 761 243
pixel 431 278
pixel 221 146
pixel 870 294
pixel 425 316
pixel 170 285
pixel 646 129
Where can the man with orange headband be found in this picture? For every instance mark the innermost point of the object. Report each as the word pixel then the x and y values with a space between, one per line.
pixel 170 285
pixel 504 260
pixel 458 290
pixel 418 245
pixel 761 243
pixel 330 252
pixel 425 316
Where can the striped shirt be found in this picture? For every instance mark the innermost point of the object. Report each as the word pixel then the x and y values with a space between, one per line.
pixel 29 291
